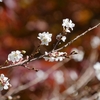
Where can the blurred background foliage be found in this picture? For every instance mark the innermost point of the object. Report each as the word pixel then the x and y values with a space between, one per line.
pixel 22 20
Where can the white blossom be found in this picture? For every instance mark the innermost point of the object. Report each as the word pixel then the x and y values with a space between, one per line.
pixel 10 98
pixel 15 56
pixel 67 25
pixel 63 38
pixel 59 58
pixel 58 76
pixel 46 53
pixel 1 0
pixel 55 56
pixel 45 38
pixel 58 36
pixel 95 42
pixel 73 75
pixel 51 59
pixel 4 82
pixel 79 56
pixel 97 70
pixel 41 74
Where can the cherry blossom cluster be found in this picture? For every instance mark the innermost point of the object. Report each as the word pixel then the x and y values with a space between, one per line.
pixel 4 82
pixel 45 38
pixel 55 56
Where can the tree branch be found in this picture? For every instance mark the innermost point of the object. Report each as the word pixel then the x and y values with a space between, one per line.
pixel 26 60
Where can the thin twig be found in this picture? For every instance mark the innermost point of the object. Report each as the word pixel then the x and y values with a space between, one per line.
pixel 70 42
pixel 68 91
pixel 85 78
pixel 21 63
pixel 37 80
pixel 25 61
pixel 56 44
